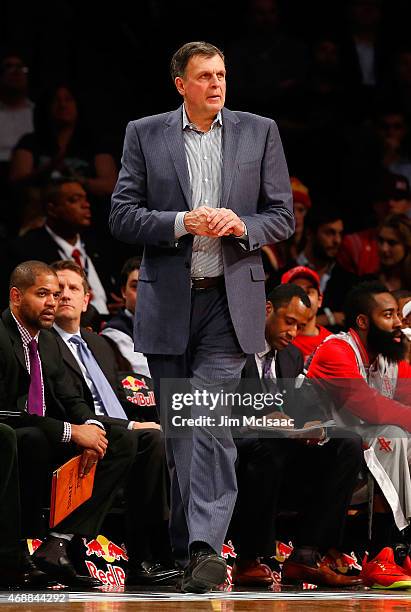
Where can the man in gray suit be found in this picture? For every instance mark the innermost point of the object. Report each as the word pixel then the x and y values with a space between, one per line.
pixel 203 188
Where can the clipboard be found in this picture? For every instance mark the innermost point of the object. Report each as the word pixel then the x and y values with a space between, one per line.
pixel 68 490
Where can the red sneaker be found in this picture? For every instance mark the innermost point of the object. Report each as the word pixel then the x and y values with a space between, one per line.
pixel 406 566
pixel 383 573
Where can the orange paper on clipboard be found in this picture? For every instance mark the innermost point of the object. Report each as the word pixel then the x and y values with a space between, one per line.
pixel 68 490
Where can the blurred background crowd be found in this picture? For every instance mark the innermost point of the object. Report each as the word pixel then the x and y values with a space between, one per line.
pixel 336 76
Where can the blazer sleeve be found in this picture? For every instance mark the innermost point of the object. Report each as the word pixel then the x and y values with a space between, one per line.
pixel 274 220
pixel 130 220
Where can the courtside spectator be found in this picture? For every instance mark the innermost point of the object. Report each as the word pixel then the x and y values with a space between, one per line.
pixel 67 234
pixel 394 251
pixel 119 329
pixel 359 251
pixel 312 334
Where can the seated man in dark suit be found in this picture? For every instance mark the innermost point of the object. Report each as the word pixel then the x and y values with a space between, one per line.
pixel 92 368
pixel 327 468
pixel 65 235
pixel 15 567
pixel 52 422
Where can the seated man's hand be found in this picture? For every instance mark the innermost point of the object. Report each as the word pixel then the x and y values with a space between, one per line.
pixel 224 222
pixel 146 425
pixel 315 436
pixel 88 459
pixel 91 437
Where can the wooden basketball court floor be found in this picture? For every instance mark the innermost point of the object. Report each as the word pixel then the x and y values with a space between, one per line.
pixel 283 599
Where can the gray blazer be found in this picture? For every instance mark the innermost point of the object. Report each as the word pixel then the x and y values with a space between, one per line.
pixel 154 184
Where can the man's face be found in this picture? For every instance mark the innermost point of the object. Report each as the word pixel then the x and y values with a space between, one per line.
pixel 13 75
pixel 313 293
pixel 384 332
pixel 398 207
pixel 283 325
pixel 73 299
pixel 390 250
pixel 36 306
pixel 64 107
pixel 328 239
pixel 72 208
pixel 129 292
pixel 203 86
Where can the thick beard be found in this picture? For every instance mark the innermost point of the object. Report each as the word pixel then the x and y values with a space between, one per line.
pixel 380 341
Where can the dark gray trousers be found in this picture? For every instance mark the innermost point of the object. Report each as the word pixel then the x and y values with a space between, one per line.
pixel 202 462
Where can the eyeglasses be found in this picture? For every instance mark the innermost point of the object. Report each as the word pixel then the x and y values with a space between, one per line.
pixel 14 67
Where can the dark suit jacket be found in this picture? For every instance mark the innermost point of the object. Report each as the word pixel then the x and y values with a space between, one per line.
pixel 62 402
pixel 38 244
pixel 107 362
pixel 301 404
pixel 154 184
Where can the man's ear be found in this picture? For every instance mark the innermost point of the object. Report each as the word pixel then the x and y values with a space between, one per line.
pixel 179 83
pixel 50 210
pixel 269 308
pixel 363 322
pixel 320 299
pixel 86 301
pixel 15 296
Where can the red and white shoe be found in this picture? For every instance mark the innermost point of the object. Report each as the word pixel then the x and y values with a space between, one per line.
pixel 383 573
pixel 406 566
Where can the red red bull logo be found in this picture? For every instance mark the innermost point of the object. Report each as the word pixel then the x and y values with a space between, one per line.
pixel 228 550
pixel 342 562
pixel 134 384
pixel 283 551
pixel 33 545
pixel 102 547
pixel 114 576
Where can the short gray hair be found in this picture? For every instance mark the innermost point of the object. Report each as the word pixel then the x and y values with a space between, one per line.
pixel 183 55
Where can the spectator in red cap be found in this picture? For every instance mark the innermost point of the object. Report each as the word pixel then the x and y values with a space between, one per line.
pixel 283 253
pixel 359 251
pixel 313 334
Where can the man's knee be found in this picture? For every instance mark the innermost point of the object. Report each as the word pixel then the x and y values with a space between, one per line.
pixel 33 445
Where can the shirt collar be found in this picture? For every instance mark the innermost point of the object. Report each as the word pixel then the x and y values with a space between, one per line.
pixel 25 335
pixel 187 123
pixel 266 350
pixel 64 334
pixel 128 313
pixel 63 244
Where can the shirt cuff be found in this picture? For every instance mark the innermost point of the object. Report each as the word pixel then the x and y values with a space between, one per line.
pixel 66 437
pixel 131 425
pixel 179 227
pixel 243 239
pixel 94 422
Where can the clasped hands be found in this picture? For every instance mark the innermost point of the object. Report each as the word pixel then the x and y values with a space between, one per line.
pixel 213 222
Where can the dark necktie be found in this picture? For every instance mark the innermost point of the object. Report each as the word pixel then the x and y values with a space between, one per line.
pixel 267 365
pixel 107 396
pixel 35 398
pixel 76 255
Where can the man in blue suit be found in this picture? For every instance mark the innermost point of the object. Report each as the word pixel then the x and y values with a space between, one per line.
pixel 203 189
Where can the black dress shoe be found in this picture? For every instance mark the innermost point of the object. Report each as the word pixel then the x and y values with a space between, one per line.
pixel 204 572
pixel 151 573
pixel 51 557
pixel 34 576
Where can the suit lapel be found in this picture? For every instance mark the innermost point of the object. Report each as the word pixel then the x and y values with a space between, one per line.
pixel 231 136
pixel 173 134
pixel 15 338
pixel 67 355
